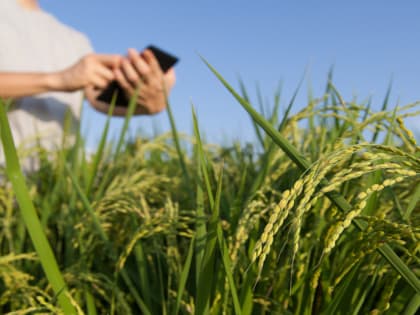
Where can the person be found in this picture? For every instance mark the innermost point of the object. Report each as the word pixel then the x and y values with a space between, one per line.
pixel 47 68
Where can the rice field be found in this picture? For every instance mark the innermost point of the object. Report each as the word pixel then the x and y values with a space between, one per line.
pixel 319 216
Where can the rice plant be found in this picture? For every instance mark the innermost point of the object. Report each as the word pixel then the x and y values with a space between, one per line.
pixel 319 216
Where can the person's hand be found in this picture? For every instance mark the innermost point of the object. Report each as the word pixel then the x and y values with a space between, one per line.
pixel 92 73
pixel 141 72
pixel 93 70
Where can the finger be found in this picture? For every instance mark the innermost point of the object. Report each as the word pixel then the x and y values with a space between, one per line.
pixel 130 73
pixel 99 82
pixel 106 73
pixel 170 79
pixel 139 63
pixel 151 60
pixel 109 60
pixel 123 82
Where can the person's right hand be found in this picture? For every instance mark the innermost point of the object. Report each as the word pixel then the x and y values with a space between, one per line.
pixel 93 70
pixel 141 72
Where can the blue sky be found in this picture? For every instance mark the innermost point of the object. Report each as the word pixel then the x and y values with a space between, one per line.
pixel 264 42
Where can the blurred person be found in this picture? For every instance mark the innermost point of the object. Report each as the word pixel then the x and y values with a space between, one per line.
pixel 47 68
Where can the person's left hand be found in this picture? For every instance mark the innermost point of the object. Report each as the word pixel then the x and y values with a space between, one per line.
pixel 142 71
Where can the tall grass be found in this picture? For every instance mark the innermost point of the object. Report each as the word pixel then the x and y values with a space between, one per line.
pixel 321 216
pixel 30 218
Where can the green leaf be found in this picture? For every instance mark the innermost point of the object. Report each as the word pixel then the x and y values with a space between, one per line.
pixel 184 275
pixel 101 147
pixel 39 240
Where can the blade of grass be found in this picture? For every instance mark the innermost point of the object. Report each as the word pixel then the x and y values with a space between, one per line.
pixel 341 297
pixel 315 147
pixel 341 129
pixel 214 237
pixel 130 111
pixel 101 147
pixel 78 150
pixel 247 295
pixel 305 290
pixel 33 225
pixel 412 204
pixel 184 276
pixel 90 302
pixel 260 100
pixel 256 128
pixel 292 101
pixel 206 279
pixel 384 107
pixel 202 159
pixel 413 306
pixel 78 162
pixel 144 279
pixel 391 129
pixel 224 249
pixel 86 203
pixel 334 104
pixel 161 277
pixel 357 139
pixel 386 251
pixel 327 93
pixel 177 143
pixel 200 224
pixel 275 112
pixel 227 263
pixel 238 203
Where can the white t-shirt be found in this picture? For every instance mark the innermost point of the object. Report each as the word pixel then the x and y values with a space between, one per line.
pixel 35 41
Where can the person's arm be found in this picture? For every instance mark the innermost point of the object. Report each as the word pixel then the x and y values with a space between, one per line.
pixel 15 85
pixel 143 71
pixel 93 70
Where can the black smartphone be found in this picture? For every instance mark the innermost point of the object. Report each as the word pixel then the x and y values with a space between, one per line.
pixel 165 60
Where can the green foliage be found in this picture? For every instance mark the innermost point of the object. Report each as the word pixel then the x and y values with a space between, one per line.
pixel 173 225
